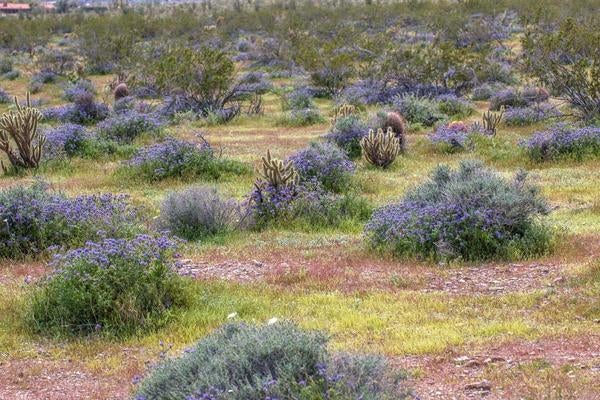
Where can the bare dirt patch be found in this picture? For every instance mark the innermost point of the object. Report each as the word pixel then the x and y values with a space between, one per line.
pixel 565 368
pixel 58 380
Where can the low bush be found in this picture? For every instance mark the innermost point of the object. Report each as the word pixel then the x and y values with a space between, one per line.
pixel 84 110
pixel 114 287
pixel 451 137
pixel 124 127
pixel 181 159
pixel 454 106
pixel 563 141
pixel 198 212
pixel 277 361
pixel 326 163
pixel 470 214
pixel 64 141
pixel 300 109
pixel 346 134
pixel 10 75
pixel 34 218
pixel 82 87
pixel 419 110
pixel 306 205
pixel 522 116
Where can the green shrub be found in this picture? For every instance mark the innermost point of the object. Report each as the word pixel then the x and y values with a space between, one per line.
pixel 115 286
pixel 276 361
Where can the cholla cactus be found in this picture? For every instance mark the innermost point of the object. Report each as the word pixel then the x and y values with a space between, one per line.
pixel 342 111
pixel 491 121
pixel 21 127
pixel 278 174
pixel 379 148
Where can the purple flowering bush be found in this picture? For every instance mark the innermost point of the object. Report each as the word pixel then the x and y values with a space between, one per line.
pixel 452 137
pixel 199 212
pixel 306 205
pixel 66 140
pixel 181 159
pixel 347 133
pixel 453 105
pixel 419 110
pixel 125 126
pixel 277 361
pixel 325 163
pixel 113 286
pixel 84 110
pixel 32 219
pixel 300 109
pixel 563 141
pixel 79 88
pixel 521 116
pixel 469 214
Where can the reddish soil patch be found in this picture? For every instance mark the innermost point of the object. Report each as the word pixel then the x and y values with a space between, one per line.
pixel 21 271
pixel 565 368
pixel 350 269
pixel 58 380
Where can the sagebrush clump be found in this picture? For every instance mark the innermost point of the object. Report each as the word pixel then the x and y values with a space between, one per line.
pixel 199 212
pixel 277 361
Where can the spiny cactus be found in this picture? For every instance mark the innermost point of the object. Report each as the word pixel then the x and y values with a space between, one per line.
pixel 278 174
pixel 345 110
pixel 20 127
pixel 491 121
pixel 379 148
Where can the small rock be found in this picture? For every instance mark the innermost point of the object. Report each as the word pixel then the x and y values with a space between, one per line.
pixel 462 359
pixel 484 385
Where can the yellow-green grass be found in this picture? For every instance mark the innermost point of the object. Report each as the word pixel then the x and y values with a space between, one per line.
pixel 393 324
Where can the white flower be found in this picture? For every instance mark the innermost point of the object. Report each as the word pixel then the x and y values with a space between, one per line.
pixel 272 321
pixel 232 315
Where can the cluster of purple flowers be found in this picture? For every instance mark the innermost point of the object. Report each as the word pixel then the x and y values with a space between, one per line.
pixel 77 89
pixel 178 158
pixel 115 286
pixel 470 214
pixel 269 202
pixel 564 141
pixel 84 110
pixel 325 163
pixel 453 136
pixel 451 104
pixel 143 249
pixel 125 126
pixel 347 133
pixel 64 141
pixel 520 116
pixel 33 219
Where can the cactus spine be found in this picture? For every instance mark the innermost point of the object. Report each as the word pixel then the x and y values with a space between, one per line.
pixel 21 127
pixel 379 148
